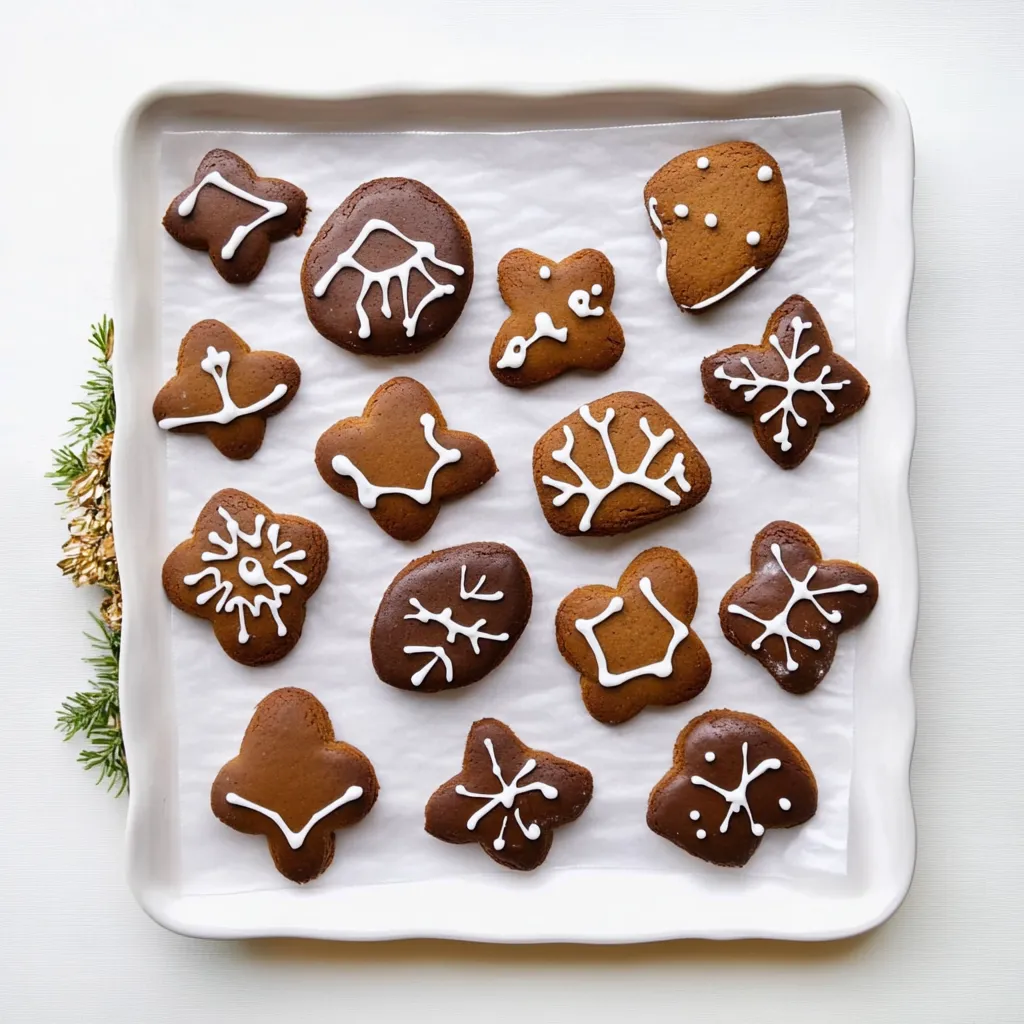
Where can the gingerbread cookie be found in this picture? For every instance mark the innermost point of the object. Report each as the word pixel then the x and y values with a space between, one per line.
pixel 451 617
pixel 358 277
pixel 733 776
pixel 790 385
pixel 775 615
pixel 632 643
pixel 294 783
pixel 400 460
pixel 234 214
pixel 721 217
pixel 241 560
pixel 616 464
pixel 222 389
pixel 508 797
pixel 561 317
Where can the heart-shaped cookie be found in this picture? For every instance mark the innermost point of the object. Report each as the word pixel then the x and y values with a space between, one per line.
pixel 733 776
pixel 632 643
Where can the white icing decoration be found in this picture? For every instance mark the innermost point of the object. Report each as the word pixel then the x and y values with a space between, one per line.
pixel 661 669
pixel 765 173
pixel 543 327
pixel 475 594
pixel 439 655
pixel 753 238
pixel 216 365
pixel 579 303
pixel 694 815
pixel 423 251
pixel 238 236
pixel 296 839
pixel 737 798
pixel 785 803
pixel 711 220
pixel 779 625
pixel 741 280
pixel 507 798
pixel 596 289
pixel 662 272
pixel 545 272
pixel 703 163
pixel 251 570
pixel 369 493
pixel 701 834
pixel 681 210
pixel 595 495
pixel 791 385
pixel 709 756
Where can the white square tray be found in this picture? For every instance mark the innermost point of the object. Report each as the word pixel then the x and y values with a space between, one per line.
pixel 570 905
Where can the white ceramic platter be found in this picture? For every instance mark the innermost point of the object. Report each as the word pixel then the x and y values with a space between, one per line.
pixel 580 905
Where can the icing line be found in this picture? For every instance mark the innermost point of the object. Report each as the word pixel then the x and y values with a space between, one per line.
pixel 543 327
pixel 296 839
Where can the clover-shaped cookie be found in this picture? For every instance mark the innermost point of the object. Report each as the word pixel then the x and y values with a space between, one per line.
pixel 733 776
pixel 632 643
pixel 789 611
pixel 400 461
pixel 790 385
pixel 234 214
pixel 721 218
pixel 508 797
pixel 561 317
pixel 242 561
pixel 294 783
pixel 222 389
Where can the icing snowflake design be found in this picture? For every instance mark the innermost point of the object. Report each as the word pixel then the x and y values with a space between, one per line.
pixel 506 797
pixel 756 383
pixel 595 495
pixel 801 591
pixel 250 570
pixel 737 798
pixel 423 252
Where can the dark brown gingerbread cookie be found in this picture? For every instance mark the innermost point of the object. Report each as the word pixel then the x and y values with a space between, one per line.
pixel 400 461
pixel 615 465
pixel 561 317
pixel 294 783
pixel 243 560
pixel 451 617
pixel 790 385
pixel 733 776
pixel 358 276
pixel 632 643
pixel 721 217
pixel 508 797
pixel 789 611
pixel 234 214
pixel 222 389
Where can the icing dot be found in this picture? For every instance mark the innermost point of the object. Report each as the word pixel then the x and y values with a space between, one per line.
pixel 595 289
pixel 701 834
pixel 711 220
pixel 764 173
pixel 681 210
pixel 753 238
pixel 784 803
pixel 545 272
pixel 703 163
pixel 694 815
pixel 709 756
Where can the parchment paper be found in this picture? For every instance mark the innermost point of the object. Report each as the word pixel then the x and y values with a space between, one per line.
pixel 553 192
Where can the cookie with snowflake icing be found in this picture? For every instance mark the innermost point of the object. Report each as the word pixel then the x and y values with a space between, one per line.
pixel 294 783
pixel 561 317
pixel 733 777
pixel 508 797
pixel 390 271
pixel 249 572
pixel 791 385
pixel 789 610
pixel 451 617
pixel 632 644
pixel 233 214
pixel 222 389
pixel 614 465
pixel 721 218
pixel 400 461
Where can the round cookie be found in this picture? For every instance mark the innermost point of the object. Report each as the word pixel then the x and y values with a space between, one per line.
pixel 721 217
pixel 358 277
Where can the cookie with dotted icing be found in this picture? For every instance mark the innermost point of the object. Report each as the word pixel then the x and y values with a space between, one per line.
pixel 791 385
pixel 721 218
pixel 400 461
pixel 561 317
pixel 451 617
pixel 222 389
pixel 733 777
pixel 233 214
pixel 632 643
pixel 390 271
pixel 614 465
pixel 789 610
pixel 249 572
pixel 294 783
pixel 508 797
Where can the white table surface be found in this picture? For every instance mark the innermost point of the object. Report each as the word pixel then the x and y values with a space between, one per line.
pixel 73 944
